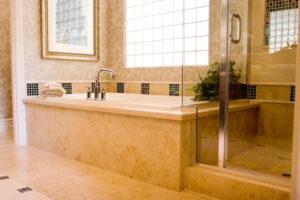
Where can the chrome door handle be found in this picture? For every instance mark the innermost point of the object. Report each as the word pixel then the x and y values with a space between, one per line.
pixel 236 36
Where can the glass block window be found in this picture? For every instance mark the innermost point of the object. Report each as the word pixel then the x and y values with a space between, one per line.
pixel 163 32
pixel 281 24
pixel 70 22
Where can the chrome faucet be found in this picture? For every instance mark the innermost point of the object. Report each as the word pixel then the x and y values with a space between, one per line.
pixel 97 83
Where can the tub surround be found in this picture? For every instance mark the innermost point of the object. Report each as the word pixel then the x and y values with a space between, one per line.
pixel 154 145
pixel 148 149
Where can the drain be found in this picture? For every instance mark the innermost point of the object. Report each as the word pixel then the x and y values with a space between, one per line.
pixel 286 175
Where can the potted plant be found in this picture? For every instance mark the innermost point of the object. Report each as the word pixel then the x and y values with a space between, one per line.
pixel 208 88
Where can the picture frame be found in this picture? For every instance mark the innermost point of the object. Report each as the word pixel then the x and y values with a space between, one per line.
pixel 70 30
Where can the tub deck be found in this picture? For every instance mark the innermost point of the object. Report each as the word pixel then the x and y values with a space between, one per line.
pixel 156 106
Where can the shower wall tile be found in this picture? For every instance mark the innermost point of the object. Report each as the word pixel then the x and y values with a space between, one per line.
pixel 273 92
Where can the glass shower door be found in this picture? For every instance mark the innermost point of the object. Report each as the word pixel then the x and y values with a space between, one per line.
pixel 201 73
pixel 261 91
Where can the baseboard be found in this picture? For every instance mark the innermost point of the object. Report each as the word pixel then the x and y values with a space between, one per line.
pixel 5 124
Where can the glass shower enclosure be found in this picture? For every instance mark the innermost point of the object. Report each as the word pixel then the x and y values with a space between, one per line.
pixel 245 90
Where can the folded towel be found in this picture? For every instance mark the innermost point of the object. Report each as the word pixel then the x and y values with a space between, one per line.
pixel 52 89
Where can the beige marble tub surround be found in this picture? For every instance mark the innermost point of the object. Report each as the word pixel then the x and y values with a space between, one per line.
pixel 154 145
pixel 149 149
pixel 5 65
pixel 227 186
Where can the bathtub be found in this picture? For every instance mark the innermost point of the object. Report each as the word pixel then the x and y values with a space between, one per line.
pixel 161 102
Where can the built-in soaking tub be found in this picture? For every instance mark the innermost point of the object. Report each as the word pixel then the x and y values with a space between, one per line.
pixel 147 137
pixel 160 102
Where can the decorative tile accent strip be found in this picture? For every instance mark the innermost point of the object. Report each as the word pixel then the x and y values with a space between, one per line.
pixel 120 87
pixel 67 87
pixel 252 91
pixel 4 178
pixel 25 189
pixel 292 93
pixel 145 88
pixel 32 89
pixel 174 89
pixel 244 91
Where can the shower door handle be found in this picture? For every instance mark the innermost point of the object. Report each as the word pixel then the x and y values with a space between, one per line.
pixel 236 32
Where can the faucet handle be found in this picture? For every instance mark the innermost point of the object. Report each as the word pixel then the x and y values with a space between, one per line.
pixel 88 93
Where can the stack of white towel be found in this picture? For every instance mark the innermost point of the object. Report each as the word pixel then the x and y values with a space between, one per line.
pixel 52 89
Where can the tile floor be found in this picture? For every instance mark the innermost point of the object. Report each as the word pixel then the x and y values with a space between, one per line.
pixel 264 159
pixel 63 179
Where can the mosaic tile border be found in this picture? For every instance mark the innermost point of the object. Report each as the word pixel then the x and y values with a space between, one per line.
pixel 32 89
pixel 67 87
pixel 120 87
pixel 145 88
pixel 252 92
pixel 174 89
pixel 171 89
pixel 293 93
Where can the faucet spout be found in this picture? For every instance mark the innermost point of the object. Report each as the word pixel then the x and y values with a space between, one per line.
pixel 106 70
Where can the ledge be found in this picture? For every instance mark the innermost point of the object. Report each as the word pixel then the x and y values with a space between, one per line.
pixel 183 113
